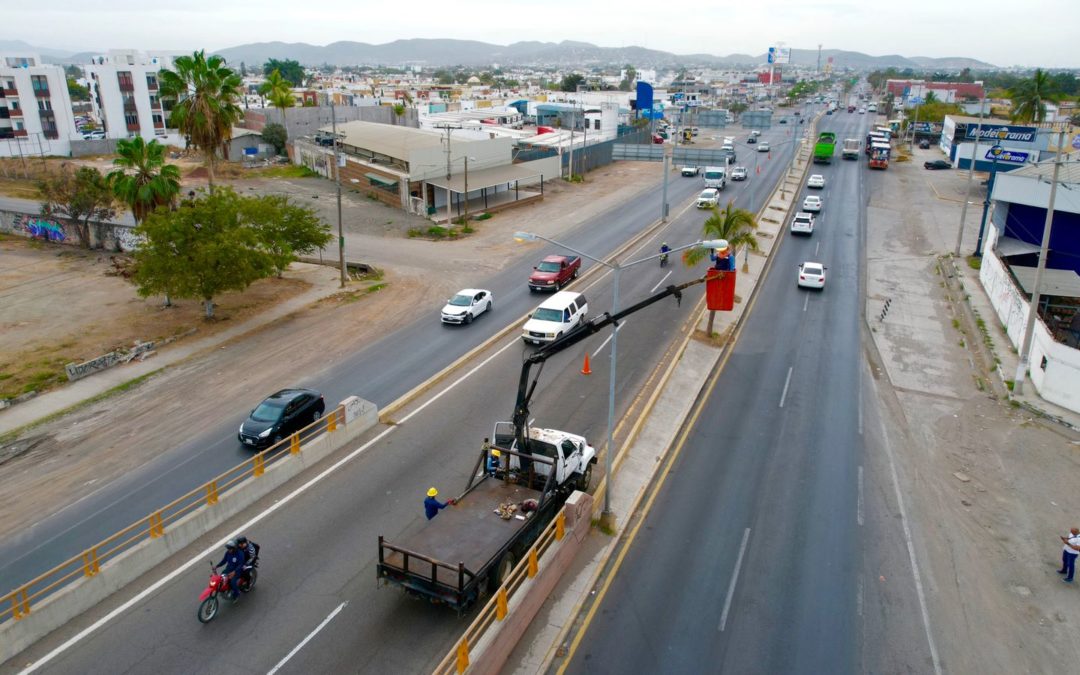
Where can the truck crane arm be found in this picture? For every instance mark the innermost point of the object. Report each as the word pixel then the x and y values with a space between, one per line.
pixel 585 330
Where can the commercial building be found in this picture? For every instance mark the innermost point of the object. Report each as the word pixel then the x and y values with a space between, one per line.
pixel 1019 144
pixel 125 93
pixel 946 92
pixel 35 108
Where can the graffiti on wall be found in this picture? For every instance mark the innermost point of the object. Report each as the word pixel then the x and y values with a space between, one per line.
pixel 39 228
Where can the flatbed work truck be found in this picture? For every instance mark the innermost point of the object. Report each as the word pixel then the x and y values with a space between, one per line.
pixel 469 548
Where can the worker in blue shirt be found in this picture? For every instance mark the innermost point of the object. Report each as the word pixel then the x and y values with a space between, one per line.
pixel 432 506
pixel 234 564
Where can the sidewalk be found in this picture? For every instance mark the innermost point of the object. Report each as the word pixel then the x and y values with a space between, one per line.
pixel 643 454
pixel 324 282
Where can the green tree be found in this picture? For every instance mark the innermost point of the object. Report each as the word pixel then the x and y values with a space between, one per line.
pixel 278 91
pixel 77 91
pixel 733 224
pixel 285 229
pixel 628 81
pixel 142 180
pixel 207 93
pixel 930 97
pixel 1029 98
pixel 204 248
pixel 77 196
pixel 289 69
pixel 443 76
pixel 275 135
pixel 571 82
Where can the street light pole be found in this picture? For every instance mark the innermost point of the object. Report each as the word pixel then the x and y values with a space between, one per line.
pixel 971 173
pixel 337 178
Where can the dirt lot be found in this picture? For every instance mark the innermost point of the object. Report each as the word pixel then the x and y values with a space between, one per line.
pixel 127 430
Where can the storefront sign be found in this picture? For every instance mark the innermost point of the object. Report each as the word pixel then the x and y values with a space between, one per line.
pixel 1008 156
pixel 1002 133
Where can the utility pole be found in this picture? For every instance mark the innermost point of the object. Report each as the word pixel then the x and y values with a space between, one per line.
pixel 448 128
pixel 1033 308
pixel 337 179
pixel 573 121
pixel 819 58
pixel 466 220
pixel 971 173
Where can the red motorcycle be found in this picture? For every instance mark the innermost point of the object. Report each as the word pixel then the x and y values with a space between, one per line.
pixel 219 585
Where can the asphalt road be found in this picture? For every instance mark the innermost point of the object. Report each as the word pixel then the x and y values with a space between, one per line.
pixel 773 545
pixel 320 551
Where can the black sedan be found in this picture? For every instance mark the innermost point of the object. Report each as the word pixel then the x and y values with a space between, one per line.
pixel 280 415
pixel 937 164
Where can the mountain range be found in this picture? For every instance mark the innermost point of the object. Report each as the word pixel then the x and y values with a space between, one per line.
pixel 439 52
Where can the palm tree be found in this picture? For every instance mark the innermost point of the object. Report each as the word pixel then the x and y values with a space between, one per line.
pixel 206 92
pixel 930 97
pixel 278 91
pixel 1030 97
pixel 733 224
pixel 142 179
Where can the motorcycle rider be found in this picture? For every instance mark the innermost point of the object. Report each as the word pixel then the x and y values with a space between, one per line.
pixel 233 561
pixel 664 250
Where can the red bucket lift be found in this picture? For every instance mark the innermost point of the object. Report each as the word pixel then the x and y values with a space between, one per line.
pixel 720 290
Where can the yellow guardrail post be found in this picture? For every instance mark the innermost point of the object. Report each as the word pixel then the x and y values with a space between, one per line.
pixel 259 464
pixel 211 493
pixel 331 422
pixel 560 526
pixel 157 528
pixel 20 604
pixel 500 604
pixel 90 562
pixel 294 444
pixel 533 564
pixel 463 656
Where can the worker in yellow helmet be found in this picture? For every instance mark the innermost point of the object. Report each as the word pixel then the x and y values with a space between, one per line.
pixel 432 506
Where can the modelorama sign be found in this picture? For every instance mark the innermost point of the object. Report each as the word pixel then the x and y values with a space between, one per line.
pixel 1002 133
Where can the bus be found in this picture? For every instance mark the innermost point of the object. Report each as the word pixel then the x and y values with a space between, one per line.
pixel 875 137
pixel 879 155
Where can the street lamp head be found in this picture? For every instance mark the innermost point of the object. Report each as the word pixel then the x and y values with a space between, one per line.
pixel 715 243
pixel 521 237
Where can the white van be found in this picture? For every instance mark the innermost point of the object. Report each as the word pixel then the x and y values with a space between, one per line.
pixel 716 177
pixel 559 314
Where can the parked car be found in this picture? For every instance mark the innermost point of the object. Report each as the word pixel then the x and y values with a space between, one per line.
pixel 783 120
pixel 802 223
pixel 763 146
pixel 95 135
pixel 657 139
pixel 739 173
pixel 708 198
pixel 811 275
pixel 751 140
pixel 691 170
pixel 812 204
pixel 936 165
pixel 815 181
pixel 279 415
pixel 466 305
pixel 924 144
pixel 555 316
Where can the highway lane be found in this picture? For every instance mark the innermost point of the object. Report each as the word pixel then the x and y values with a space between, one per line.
pixel 383 485
pixel 756 555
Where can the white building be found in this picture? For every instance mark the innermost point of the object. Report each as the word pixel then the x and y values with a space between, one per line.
pixel 35 108
pixel 124 90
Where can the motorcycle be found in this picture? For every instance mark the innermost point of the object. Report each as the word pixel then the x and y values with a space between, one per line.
pixel 663 260
pixel 209 603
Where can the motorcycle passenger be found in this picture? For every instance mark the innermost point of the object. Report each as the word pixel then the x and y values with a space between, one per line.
pixel 250 549
pixel 234 564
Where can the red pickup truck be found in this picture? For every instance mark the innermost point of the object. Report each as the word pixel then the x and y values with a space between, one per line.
pixel 554 272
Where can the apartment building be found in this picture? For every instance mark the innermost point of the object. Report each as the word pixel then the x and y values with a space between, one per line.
pixel 125 94
pixel 35 108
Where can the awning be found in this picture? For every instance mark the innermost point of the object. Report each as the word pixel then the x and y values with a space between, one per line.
pixel 485 178
pixel 1007 246
pixel 381 180
pixel 1062 283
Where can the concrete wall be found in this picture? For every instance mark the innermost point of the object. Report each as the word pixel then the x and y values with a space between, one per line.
pixel 110 236
pixel 1058 380
pixel 549 167
pixel 81 595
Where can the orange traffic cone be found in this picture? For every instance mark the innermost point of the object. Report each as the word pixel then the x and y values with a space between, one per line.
pixel 586 370
pixel 758 172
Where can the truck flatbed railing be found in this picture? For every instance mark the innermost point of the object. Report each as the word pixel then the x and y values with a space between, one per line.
pixel 503 472
pixel 464 576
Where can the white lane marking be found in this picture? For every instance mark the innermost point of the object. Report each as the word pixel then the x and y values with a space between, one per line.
pixel 660 283
pixel 911 550
pixel 859 597
pixel 608 339
pixel 787 381
pixel 734 579
pixel 859 402
pixel 859 504
pixel 817 246
pixel 303 642
pixel 458 381
pixel 806 302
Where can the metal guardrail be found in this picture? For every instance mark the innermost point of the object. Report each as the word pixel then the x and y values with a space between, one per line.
pixel 19 603
pixel 457 661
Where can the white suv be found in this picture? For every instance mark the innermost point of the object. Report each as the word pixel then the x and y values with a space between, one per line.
pixel 559 314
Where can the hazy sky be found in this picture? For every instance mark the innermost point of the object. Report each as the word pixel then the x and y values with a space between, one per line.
pixel 1002 32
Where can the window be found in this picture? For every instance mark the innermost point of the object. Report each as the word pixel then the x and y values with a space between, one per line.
pixel 39 83
pixel 44 104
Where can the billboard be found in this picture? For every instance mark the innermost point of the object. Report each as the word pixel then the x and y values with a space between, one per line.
pixel 779 55
pixel 644 97
pixel 1002 132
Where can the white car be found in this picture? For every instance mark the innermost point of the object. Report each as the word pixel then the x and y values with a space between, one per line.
pixel 691 170
pixel 708 198
pixel 468 304
pixel 755 133
pixel 802 223
pixel 739 173
pixel 862 111
pixel 815 181
pixel 812 204
pixel 812 275
pixel 96 135
pixel 763 146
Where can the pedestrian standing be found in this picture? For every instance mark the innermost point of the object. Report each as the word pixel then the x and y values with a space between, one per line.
pixel 1069 554
pixel 432 506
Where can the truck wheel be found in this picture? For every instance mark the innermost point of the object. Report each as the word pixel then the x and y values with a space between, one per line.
pixel 585 478
pixel 574 275
pixel 502 571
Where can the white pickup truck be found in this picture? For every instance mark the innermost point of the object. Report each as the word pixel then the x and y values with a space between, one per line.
pixel 691 170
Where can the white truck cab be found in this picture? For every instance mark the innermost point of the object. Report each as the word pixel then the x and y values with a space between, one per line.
pixel 571 455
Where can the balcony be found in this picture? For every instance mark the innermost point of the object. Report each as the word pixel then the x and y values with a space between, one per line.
pixel 15 112
pixel 129 107
pixel 11 92
pixel 127 85
pixel 159 124
pixel 133 126
pixel 20 133
pixel 151 85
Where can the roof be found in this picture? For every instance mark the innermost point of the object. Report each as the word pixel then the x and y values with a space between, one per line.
pixel 1062 283
pixel 484 178
pixel 1044 170
pixel 1007 246
pixel 387 139
pixel 238 132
